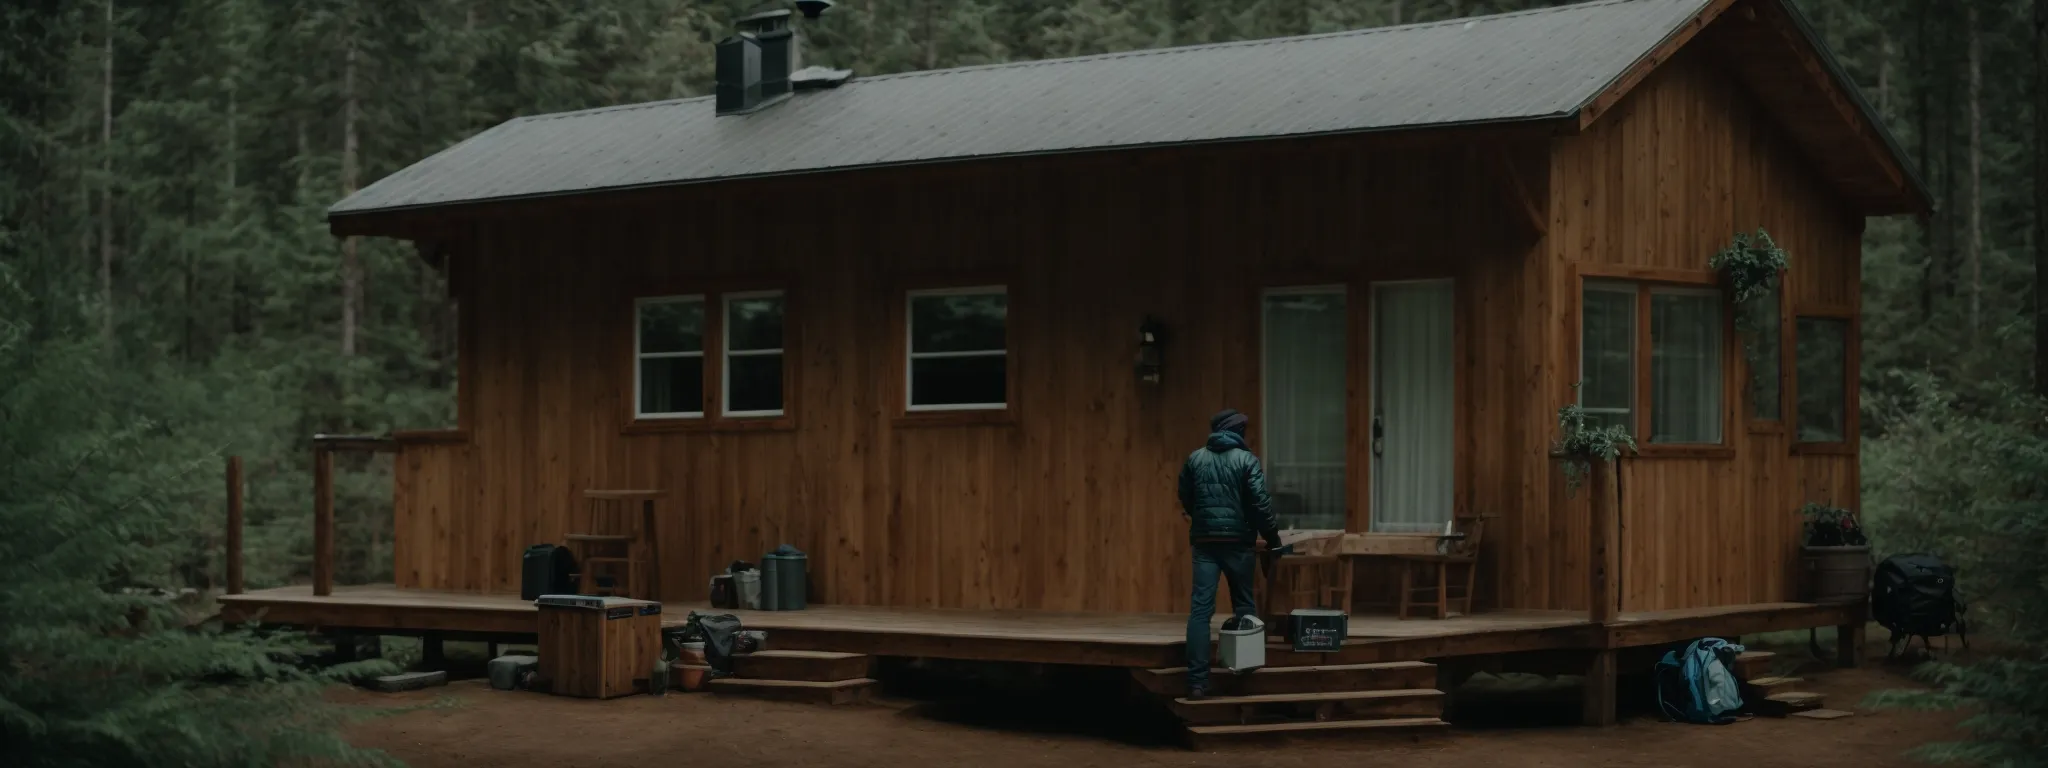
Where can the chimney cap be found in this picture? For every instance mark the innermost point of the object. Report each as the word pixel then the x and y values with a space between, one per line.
pixel 764 18
pixel 812 9
pixel 813 78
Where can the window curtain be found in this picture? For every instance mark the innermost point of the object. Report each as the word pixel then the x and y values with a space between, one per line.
pixel 1304 420
pixel 1413 370
pixel 1607 355
pixel 1685 367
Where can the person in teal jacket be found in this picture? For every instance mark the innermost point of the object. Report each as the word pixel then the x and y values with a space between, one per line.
pixel 1223 499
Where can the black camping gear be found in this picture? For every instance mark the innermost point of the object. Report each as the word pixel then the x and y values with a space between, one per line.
pixel 1914 595
pixel 723 593
pixel 719 632
pixel 546 570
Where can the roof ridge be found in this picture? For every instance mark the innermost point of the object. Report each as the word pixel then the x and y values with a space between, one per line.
pixel 1360 32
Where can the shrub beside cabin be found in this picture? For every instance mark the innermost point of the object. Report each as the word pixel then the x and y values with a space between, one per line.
pixel 894 320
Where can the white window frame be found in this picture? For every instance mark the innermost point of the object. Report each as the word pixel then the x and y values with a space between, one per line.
pixel 639 356
pixel 910 353
pixel 727 353
pixel 1634 292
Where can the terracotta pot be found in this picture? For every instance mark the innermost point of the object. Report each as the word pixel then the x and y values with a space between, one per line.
pixel 690 677
pixel 1834 574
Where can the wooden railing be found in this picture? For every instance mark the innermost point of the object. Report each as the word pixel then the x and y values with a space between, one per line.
pixel 324 448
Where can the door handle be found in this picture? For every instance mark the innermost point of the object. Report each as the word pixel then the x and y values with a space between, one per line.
pixel 1379 431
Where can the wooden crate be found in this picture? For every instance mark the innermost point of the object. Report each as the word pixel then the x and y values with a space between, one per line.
pixel 598 647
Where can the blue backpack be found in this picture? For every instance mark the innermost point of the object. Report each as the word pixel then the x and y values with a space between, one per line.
pixel 1696 686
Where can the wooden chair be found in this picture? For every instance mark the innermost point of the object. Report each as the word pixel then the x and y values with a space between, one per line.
pixel 1458 548
pixel 616 538
pixel 1313 581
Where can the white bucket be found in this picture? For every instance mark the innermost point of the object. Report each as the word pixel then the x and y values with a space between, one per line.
pixel 1244 649
pixel 748 584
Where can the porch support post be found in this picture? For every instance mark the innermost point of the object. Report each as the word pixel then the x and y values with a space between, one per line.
pixel 1849 644
pixel 233 556
pixel 433 654
pixel 1600 680
pixel 1605 561
pixel 323 521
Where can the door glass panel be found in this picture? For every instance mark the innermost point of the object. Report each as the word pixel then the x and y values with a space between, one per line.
pixel 1413 406
pixel 1303 419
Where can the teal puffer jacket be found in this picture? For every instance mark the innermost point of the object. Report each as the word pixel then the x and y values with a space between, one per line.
pixel 1223 493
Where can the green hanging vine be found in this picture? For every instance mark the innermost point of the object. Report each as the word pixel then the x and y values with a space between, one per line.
pixel 1580 444
pixel 1751 267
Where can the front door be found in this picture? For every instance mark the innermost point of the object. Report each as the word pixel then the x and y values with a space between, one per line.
pixel 1302 424
pixel 1413 405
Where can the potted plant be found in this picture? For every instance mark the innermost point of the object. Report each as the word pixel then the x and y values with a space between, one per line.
pixel 1835 556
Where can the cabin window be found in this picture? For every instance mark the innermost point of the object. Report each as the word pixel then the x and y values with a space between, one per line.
pixel 1763 350
pixel 1685 365
pixel 1683 354
pixel 753 354
pixel 1607 354
pixel 958 349
pixel 668 343
pixel 1822 349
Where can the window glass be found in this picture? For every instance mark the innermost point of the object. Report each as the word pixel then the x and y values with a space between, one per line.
pixel 669 356
pixel 753 354
pixel 1761 348
pixel 1822 352
pixel 1607 354
pixel 958 349
pixel 1685 366
pixel 1303 427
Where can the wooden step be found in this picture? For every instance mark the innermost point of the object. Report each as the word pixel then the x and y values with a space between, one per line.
pixel 1172 682
pixel 809 666
pixel 805 691
pixel 1212 736
pixel 1340 705
pixel 1751 665
pixel 1765 686
pixel 1783 704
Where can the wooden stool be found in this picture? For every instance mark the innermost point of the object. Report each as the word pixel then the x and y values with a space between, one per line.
pixel 616 540
pixel 1460 549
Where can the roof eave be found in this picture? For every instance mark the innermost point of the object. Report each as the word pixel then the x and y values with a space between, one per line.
pixel 413 222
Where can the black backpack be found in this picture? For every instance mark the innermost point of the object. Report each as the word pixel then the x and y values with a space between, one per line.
pixel 1915 596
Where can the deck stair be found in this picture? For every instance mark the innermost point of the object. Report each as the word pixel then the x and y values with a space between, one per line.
pixel 1349 700
pixel 1770 694
pixel 815 677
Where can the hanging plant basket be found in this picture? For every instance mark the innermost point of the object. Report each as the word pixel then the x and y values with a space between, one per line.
pixel 1579 444
pixel 1751 268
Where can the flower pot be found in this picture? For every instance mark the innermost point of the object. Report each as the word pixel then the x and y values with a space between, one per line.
pixel 1834 574
pixel 691 677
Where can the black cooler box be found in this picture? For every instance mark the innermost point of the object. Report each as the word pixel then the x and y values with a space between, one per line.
pixel 546 570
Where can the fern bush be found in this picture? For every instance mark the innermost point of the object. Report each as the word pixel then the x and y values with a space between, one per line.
pixel 1970 484
pixel 102 663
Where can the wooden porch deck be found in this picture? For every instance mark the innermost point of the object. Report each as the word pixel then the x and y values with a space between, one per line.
pixel 1121 640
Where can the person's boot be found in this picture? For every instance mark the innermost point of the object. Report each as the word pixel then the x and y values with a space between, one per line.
pixel 1197 692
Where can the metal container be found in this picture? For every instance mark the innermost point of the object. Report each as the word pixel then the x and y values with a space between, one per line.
pixel 1243 649
pixel 1318 630
pixel 784 571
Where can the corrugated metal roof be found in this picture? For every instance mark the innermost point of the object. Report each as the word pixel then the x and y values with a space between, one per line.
pixel 1509 67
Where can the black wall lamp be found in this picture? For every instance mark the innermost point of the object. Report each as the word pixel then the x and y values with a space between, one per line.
pixel 1151 337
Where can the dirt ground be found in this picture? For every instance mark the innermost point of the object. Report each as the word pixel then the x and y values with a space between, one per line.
pixel 467 724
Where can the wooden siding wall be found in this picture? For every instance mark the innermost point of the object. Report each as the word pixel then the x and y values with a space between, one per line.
pixel 1071 507
pixel 1663 182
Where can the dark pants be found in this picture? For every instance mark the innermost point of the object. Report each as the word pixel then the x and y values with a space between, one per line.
pixel 1232 561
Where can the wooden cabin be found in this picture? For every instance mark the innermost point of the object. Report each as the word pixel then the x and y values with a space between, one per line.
pixel 896 321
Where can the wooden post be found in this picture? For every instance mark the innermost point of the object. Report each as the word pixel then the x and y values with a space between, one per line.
pixel 234 532
pixel 433 654
pixel 1848 644
pixel 1600 679
pixel 1605 559
pixel 323 521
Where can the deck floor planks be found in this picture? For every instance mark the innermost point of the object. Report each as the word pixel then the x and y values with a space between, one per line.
pixel 1132 639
